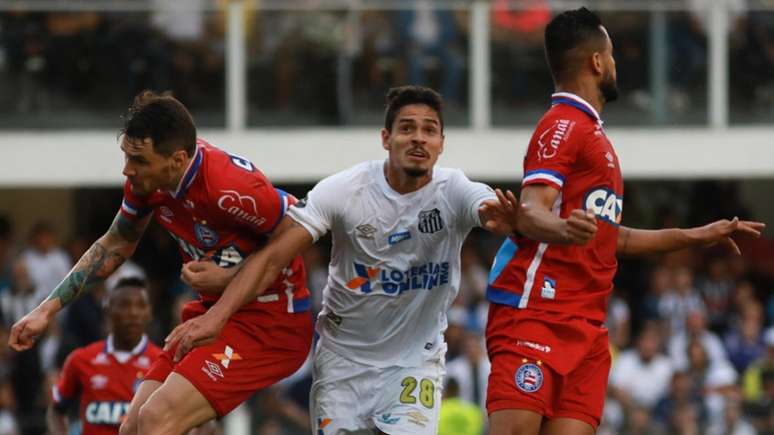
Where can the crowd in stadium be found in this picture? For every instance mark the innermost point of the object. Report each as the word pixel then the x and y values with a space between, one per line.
pixel 691 332
pixel 87 61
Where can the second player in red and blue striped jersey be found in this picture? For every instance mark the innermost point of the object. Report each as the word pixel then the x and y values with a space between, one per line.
pixel 224 209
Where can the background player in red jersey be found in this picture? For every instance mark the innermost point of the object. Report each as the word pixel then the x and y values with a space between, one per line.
pixel 105 374
pixel 550 285
pixel 217 206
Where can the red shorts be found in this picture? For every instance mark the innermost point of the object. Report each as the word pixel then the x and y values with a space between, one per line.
pixel 256 348
pixel 553 364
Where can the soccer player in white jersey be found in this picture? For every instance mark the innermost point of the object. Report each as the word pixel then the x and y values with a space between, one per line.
pixel 398 227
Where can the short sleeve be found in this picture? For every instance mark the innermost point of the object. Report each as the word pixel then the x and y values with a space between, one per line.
pixel 466 197
pixel 134 206
pixel 67 386
pixel 249 200
pixel 317 211
pixel 552 152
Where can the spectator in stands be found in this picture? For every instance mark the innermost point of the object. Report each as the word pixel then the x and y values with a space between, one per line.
pixel 46 261
pixel 715 379
pixel 640 377
pixel 677 302
pixel 734 423
pixel 618 321
pixel 682 394
pixel 744 341
pixel 661 281
pixel 471 369
pixel 25 372
pixel 695 331
pixel 752 382
pixel 517 44
pixel 715 289
pixel 429 40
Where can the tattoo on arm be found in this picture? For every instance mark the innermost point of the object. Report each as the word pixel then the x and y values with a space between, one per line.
pixel 92 269
pixel 127 229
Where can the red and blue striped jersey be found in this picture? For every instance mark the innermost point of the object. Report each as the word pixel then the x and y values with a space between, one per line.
pixel 105 380
pixel 570 152
pixel 224 209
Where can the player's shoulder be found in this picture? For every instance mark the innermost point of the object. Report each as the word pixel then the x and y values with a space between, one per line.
pixel 352 178
pixel 225 170
pixel 88 352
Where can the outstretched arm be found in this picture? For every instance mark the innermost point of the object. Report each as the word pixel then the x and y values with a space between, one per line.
pixel 99 261
pixel 259 272
pixel 632 241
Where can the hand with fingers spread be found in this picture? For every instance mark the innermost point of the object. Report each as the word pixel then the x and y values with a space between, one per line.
pixel 195 332
pixel 722 230
pixel 204 275
pixel 581 227
pixel 498 217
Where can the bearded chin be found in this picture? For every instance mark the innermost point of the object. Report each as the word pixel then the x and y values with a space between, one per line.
pixel 609 90
pixel 415 172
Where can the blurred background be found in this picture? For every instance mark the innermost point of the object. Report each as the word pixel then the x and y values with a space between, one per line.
pixel 298 88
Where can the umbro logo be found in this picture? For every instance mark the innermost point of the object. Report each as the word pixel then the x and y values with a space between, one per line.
pixel 227 356
pixel 365 231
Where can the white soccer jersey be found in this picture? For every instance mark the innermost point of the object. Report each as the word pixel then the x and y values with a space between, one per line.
pixel 395 260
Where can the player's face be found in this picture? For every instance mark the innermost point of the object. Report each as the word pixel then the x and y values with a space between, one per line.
pixel 129 312
pixel 145 169
pixel 608 86
pixel 415 140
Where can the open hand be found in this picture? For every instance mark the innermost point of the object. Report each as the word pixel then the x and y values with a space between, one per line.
pixel 722 230
pixel 499 216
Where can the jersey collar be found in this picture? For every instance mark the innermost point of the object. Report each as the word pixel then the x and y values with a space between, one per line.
pixel 140 348
pixel 190 174
pixel 575 101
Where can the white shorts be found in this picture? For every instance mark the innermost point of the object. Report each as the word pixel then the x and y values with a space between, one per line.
pixel 352 398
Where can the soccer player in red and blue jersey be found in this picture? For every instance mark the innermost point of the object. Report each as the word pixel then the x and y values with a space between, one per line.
pixel 550 284
pixel 106 374
pixel 217 206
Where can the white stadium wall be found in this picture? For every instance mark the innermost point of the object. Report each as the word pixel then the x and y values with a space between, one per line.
pixel 92 158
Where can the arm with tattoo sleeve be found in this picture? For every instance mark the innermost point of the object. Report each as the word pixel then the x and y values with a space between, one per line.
pixel 99 262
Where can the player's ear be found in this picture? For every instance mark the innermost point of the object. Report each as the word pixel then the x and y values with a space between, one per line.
pixel 386 139
pixel 443 140
pixel 597 63
pixel 179 158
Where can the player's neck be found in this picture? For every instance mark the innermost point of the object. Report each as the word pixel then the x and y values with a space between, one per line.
pixel 586 89
pixel 403 183
pixel 125 344
pixel 178 177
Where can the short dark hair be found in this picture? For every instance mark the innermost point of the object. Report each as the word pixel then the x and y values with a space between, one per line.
pixel 566 32
pixel 411 94
pixel 162 118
